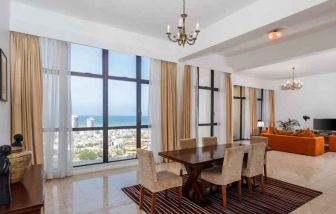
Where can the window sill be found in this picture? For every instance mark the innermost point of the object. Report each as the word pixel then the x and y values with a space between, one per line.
pixel 105 166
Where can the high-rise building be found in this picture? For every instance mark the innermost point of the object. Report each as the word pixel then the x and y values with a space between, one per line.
pixel 74 121
pixel 90 122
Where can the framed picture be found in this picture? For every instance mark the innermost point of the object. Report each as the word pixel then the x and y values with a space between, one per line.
pixel 3 76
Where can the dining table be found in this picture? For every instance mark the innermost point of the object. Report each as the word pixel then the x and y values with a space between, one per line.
pixel 197 159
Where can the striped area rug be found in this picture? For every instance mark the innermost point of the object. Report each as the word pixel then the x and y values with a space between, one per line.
pixel 279 197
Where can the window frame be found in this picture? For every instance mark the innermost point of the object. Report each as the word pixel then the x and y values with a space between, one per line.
pixel 212 90
pixel 105 128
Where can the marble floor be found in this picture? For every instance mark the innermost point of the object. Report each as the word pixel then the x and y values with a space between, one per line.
pixel 101 192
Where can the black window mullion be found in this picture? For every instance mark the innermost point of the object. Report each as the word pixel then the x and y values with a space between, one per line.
pixel 105 105
pixel 138 101
pixel 212 106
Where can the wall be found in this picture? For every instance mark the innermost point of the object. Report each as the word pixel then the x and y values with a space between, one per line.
pixel 4 44
pixel 42 22
pixel 316 99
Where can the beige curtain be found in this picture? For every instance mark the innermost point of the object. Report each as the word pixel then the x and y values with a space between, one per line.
pixel 168 106
pixel 253 111
pixel 272 108
pixel 186 110
pixel 228 91
pixel 26 92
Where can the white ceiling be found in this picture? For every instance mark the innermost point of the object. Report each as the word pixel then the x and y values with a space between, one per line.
pixel 149 17
pixel 317 63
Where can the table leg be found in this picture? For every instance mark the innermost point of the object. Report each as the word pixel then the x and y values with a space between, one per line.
pixel 192 183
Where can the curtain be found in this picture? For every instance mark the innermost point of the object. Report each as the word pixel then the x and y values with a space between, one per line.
pixel 168 106
pixel 194 103
pixel 272 108
pixel 186 108
pixel 155 108
pixel 26 92
pixel 228 98
pixel 246 111
pixel 220 108
pixel 57 134
pixel 253 111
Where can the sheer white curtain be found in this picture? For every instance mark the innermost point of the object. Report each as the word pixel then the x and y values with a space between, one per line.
pixel 220 107
pixel 246 115
pixel 57 134
pixel 194 104
pixel 155 108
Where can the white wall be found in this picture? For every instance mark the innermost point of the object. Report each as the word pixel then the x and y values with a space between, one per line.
pixel 316 99
pixel 42 22
pixel 4 44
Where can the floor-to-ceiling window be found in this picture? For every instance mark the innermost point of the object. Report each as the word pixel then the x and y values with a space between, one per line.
pixel 238 112
pixel 207 94
pixel 109 103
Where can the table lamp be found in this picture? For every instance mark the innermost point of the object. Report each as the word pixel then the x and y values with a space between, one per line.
pixel 260 125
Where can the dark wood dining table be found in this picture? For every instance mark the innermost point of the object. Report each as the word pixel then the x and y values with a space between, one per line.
pixel 197 159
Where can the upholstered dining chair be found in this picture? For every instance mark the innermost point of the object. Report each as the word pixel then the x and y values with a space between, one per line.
pixel 209 141
pixel 155 181
pixel 259 139
pixel 255 165
pixel 188 143
pixel 229 173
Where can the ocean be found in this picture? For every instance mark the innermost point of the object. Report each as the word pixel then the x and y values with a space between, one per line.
pixel 112 120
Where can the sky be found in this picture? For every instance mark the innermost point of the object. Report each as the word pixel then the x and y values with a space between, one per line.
pixel 87 93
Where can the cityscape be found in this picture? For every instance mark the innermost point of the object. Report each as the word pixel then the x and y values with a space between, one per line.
pixel 88 144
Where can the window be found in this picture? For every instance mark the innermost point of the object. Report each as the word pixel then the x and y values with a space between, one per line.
pixel 238 112
pixel 110 105
pixel 260 97
pixel 206 102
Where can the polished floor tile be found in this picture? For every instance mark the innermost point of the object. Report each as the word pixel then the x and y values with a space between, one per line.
pixel 100 192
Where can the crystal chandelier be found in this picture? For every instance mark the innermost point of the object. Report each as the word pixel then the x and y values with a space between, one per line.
pixel 292 84
pixel 182 37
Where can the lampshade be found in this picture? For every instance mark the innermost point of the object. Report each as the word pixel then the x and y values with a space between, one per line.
pixel 261 124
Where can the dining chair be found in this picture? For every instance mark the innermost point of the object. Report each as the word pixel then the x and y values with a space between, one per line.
pixel 209 141
pixel 229 173
pixel 259 139
pixel 255 165
pixel 155 181
pixel 188 143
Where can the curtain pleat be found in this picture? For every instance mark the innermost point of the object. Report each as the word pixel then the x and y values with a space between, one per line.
pixel 253 111
pixel 186 110
pixel 168 106
pixel 272 108
pixel 228 90
pixel 26 92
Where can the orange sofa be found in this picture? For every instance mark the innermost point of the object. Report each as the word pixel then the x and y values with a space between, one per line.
pixel 312 146
pixel 332 143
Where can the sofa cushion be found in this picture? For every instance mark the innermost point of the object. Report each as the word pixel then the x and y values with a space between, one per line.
pixel 306 133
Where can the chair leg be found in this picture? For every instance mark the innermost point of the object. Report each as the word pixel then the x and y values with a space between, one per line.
pixel 166 193
pixel 224 195
pixel 265 171
pixel 153 203
pixel 141 197
pixel 181 172
pixel 179 191
pixel 239 191
pixel 262 187
pixel 249 183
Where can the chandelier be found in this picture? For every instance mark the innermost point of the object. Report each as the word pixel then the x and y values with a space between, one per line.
pixel 182 37
pixel 292 84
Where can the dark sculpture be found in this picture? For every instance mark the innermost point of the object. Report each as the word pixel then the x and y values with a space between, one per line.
pixel 305 117
pixel 5 193
pixel 18 140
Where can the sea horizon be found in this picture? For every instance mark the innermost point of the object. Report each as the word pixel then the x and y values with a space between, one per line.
pixel 113 120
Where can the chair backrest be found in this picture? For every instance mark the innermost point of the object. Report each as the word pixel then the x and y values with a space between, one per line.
pixel 256 159
pixel 188 143
pixel 259 139
pixel 147 168
pixel 209 141
pixel 233 164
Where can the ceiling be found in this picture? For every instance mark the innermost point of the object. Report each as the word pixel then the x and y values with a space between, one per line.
pixel 149 17
pixel 317 63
